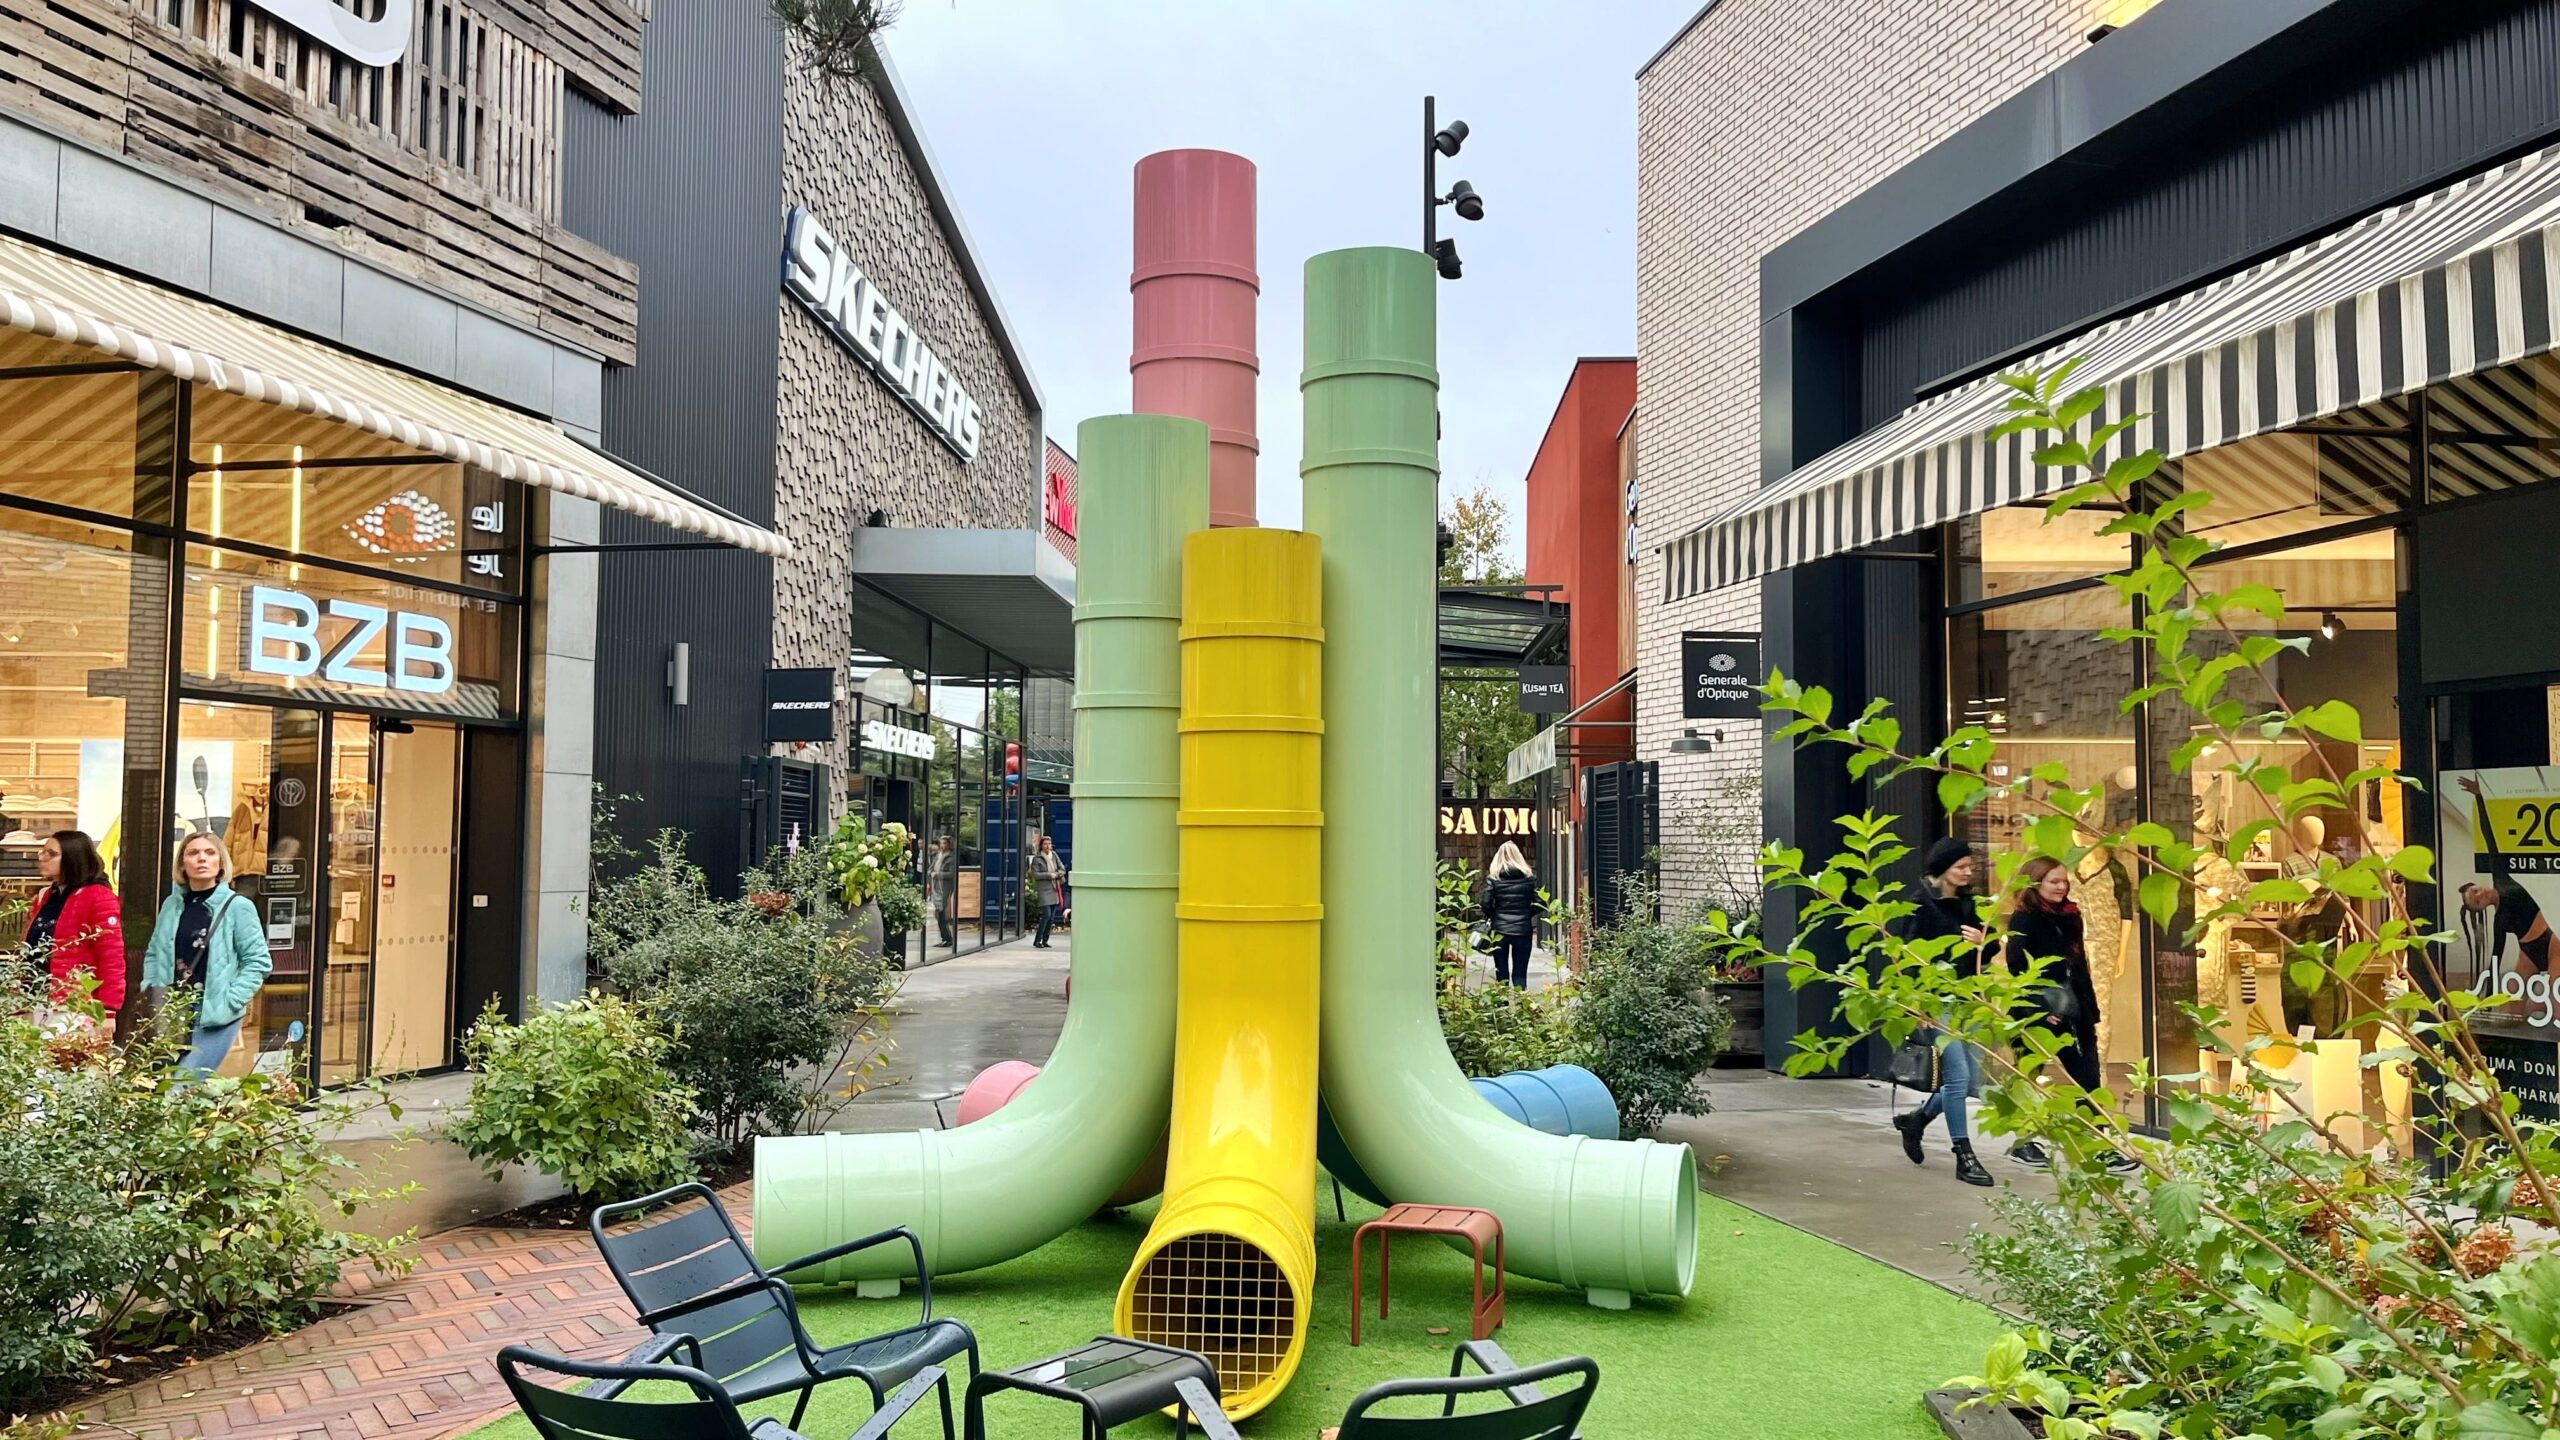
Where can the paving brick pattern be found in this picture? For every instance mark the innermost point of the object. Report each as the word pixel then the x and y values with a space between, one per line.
pixel 414 1361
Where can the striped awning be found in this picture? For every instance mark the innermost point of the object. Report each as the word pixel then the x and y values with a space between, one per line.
pixel 67 300
pixel 2446 285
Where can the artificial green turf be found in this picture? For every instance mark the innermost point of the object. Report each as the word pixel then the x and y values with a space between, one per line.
pixel 1783 1337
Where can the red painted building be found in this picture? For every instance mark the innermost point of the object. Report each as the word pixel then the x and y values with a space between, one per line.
pixel 1579 499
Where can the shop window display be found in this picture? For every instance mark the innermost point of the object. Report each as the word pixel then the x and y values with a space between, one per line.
pixel 79 671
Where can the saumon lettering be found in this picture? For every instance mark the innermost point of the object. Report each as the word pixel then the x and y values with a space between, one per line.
pixel 822 277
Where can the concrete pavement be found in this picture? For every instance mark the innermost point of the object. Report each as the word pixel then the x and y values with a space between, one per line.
pixel 1823 1156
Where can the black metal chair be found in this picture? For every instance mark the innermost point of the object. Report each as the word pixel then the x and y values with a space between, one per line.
pixel 598 1412
pixel 691 1272
pixel 1532 1414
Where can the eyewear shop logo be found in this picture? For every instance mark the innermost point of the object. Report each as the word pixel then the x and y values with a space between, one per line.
pixel 818 274
pixel 375 42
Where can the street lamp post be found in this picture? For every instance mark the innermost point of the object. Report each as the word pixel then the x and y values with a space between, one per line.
pixel 1439 140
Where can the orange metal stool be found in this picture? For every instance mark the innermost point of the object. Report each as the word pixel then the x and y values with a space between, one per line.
pixel 1478 1227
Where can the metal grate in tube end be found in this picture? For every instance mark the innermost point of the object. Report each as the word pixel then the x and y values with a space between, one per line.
pixel 1222 1297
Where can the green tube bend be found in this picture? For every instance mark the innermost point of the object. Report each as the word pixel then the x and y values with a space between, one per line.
pixel 987 1192
pixel 1614 1218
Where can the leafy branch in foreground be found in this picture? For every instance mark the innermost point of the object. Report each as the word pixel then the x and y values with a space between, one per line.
pixel 2265 1271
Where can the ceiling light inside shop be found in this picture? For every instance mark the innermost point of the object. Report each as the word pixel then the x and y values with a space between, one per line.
pixel 889 686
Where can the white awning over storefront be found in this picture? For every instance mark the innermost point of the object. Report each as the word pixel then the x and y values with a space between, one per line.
pixel 64 299
pixel 2444 286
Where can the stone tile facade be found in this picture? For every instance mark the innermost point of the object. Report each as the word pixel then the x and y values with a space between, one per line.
pixel 845 445
pixel 1761 119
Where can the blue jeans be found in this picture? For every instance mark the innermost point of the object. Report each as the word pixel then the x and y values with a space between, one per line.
pixel 1048 917
pixel 1955 1086
pixel 207 1046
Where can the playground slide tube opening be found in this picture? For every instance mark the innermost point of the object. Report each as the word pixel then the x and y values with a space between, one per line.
pixel 1612 1218
pixel 1228 1268
pixel 988 1192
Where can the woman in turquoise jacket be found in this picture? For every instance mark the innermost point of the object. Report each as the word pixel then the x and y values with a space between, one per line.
pixel 208 938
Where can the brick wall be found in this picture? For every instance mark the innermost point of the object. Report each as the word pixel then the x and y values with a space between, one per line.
pixel 1764 117
pixel 845 444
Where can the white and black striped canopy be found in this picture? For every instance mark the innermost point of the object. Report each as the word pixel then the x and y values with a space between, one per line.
pixel 2443 286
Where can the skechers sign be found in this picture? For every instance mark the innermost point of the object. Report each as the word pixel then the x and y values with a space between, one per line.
pixel 822 277
pixel 295 637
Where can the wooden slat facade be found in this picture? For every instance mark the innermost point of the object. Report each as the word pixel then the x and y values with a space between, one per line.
pixel 444 166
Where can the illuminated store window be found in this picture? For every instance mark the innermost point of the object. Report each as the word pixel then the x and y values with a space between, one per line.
pixel 80 677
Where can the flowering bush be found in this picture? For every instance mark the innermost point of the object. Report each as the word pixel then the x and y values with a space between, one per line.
pixel 863 863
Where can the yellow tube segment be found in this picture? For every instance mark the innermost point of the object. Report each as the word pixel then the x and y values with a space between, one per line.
pixel 1229 1267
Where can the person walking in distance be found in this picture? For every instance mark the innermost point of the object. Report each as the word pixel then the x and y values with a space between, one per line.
pixel 1048 889
pixel 1511 907
pixel 76 926
pixel 942 874
pixel 207 939
pixel 1943 909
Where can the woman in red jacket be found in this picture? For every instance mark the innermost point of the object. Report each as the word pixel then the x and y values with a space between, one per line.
pixel 77 924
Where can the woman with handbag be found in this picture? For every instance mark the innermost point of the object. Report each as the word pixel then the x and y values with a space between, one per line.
pixel 76 926
pixel 1941 909
pixel 208 939
pixel 2047 927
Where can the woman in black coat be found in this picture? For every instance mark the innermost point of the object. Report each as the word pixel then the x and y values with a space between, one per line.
pixel 1511 907
pixel 2047 927
pixel 1943 908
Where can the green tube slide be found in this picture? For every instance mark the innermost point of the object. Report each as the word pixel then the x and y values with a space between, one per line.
pixel 1614 1219
pixel 1012 1182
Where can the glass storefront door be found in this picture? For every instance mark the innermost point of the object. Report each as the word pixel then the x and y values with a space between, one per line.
pixel 341 829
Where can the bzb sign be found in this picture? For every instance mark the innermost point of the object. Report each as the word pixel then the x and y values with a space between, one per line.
pixel 1719 676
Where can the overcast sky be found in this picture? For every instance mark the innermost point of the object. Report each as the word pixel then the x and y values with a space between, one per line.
pixel 1036 109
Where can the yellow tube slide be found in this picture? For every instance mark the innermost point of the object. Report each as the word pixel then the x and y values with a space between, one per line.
pixel 1229 1267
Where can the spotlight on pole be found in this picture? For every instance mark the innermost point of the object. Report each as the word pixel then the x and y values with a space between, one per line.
pixel 1439 140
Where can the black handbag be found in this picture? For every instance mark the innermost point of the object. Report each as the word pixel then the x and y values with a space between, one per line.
pixel 1915 1062
pixel 2061 1008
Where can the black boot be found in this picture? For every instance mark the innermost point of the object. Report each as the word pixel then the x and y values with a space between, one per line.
pixel 1968 1169
pixel 1913 1124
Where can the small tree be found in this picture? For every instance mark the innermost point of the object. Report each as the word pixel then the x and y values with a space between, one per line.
pixel 2259 1274
pixel 1481 721
pixel 838 38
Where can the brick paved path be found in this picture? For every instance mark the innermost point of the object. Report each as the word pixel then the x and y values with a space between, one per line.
pixel 413 1362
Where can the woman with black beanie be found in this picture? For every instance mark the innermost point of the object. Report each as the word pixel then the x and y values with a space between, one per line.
pixel 1942 910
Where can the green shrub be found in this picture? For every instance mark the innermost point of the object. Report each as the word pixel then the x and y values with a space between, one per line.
pixel 580 1092
pixel 901 905
pixel 770 1000
pixel 1646 1023
pixel 139 1210
pixel 1494 1028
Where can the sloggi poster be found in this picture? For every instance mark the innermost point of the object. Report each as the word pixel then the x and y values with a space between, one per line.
pixel 2499 864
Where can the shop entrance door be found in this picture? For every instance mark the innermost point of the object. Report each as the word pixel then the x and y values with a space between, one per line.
pixel 388 901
